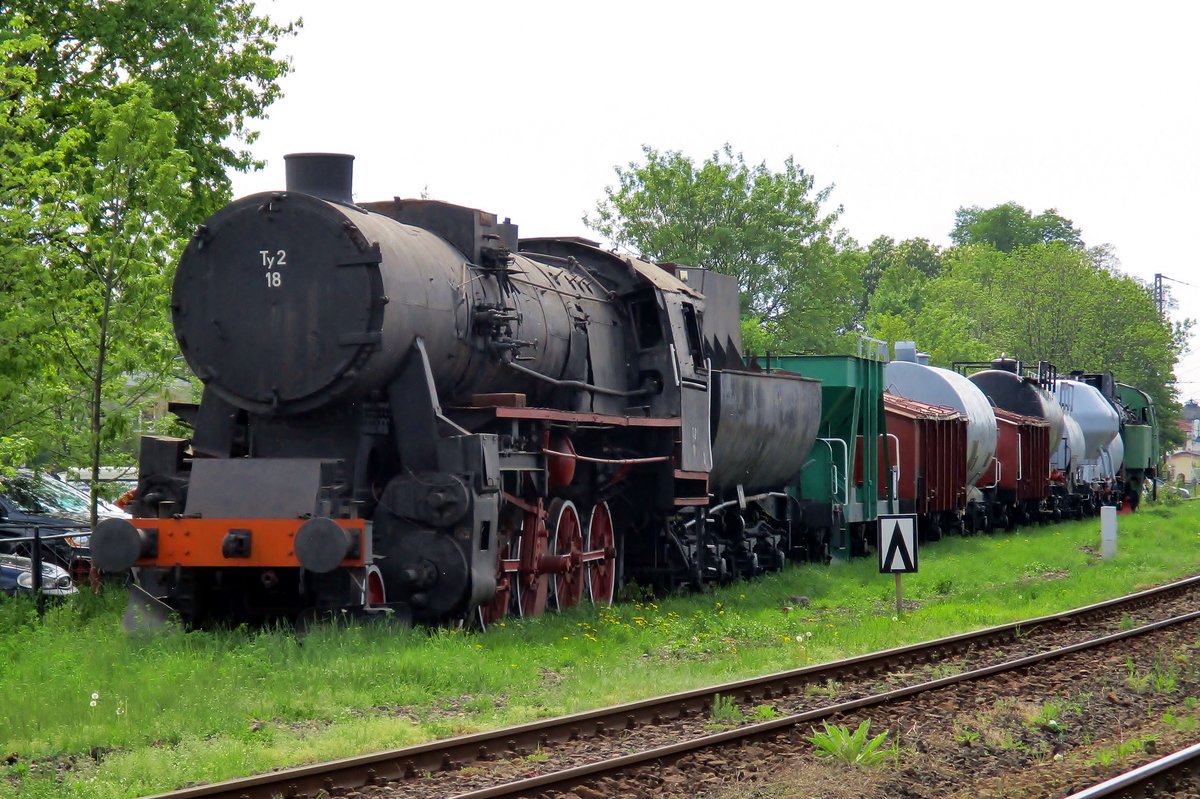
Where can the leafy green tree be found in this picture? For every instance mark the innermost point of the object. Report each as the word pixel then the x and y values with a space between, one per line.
pixel 895 281
pixel 110 340
pixel 766 228
pixel 1054 302
pixel 1009 226
pixel 32 201
pixel 901 292
pixel 211 63
pixel 884 253
pixel 119 123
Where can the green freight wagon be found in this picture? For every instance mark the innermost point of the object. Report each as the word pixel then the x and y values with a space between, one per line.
pixel 838 494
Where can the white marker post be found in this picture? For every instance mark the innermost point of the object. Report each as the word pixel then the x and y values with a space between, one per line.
pixel 898 549
pixel 1108 532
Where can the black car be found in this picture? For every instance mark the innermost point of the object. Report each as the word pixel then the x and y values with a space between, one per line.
pixel 27 500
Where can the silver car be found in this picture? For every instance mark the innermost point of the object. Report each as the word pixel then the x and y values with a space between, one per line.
pixel 16 577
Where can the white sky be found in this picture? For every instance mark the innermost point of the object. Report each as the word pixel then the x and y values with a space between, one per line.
pixel 910 109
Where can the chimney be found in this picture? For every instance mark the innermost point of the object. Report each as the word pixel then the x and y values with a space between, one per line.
pixel 329 176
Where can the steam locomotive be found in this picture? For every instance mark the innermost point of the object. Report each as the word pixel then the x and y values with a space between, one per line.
pixel 408 410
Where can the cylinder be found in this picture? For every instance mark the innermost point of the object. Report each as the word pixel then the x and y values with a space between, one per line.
pixel 937 386
pixel 1069 454
pixel 1097 419
pixel 1116 455
pixel 1008 390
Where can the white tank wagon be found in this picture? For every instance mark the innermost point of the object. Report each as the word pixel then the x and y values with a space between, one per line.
pixel 1097 419
pixel 1069 455
pixel 911 379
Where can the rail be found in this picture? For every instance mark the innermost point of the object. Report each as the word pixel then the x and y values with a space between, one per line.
pixel 895 468
pixel 1020 460
pixel 829 442
pixel 1126 784
pixel 999 468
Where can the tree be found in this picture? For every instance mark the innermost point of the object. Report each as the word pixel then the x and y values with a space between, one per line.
pixel 31 201
pixel 1054 302
pixel 211 63
pixel 109 271
pixel 918 256
pixel 1010 226
pixel 121 121
pixel 768 229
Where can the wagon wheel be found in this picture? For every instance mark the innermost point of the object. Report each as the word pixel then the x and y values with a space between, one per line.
pixel 532 584
pixel 506 578
pixel 566 545
pixel 600 556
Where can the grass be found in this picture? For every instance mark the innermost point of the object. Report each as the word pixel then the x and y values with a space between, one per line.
pixel 725 713
pixel 1115 754
pixel 211 705
pixel 1161 678
pixel 835 742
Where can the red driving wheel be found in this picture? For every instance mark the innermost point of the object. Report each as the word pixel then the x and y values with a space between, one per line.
pixel 566 542
pixel 600 556
pixel 497 609
pixel 532 585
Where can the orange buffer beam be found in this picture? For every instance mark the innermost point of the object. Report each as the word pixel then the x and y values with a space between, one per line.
pixel 248 543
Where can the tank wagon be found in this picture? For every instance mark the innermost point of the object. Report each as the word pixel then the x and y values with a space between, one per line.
pixel 407 408
pixel 1097 465
pixel 910 376
pixel 1134 453
pixel 1092 422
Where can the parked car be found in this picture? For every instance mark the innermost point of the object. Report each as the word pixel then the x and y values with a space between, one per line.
pixel 113 480
pixel 28 499
pixel 16 577
pixel 57 495
pixel 1165 487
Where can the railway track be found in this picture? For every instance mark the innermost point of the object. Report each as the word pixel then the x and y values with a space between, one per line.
pixel 561 782
pixel 465 765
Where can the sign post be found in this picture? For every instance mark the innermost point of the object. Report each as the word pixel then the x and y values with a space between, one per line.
pixel 898 549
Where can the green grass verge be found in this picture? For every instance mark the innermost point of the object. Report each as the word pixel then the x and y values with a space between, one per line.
pixel 206 706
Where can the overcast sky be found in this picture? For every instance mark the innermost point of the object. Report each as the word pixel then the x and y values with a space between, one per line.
pixel 909 109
